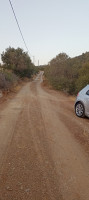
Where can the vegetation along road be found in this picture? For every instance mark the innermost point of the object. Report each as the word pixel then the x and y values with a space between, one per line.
pixel 44 147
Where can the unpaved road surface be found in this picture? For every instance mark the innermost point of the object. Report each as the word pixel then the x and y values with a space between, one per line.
pixel 44 147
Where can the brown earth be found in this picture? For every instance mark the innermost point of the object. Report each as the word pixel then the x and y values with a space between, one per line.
pixel 44 147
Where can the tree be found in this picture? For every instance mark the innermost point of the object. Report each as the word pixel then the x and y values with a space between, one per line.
pixel 83 78
pixel 60 58
pixel 18 61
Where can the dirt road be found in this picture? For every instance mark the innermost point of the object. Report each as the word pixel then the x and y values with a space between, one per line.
pixel 44 147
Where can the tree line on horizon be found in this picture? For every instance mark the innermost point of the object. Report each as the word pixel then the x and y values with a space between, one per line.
pixel 68 74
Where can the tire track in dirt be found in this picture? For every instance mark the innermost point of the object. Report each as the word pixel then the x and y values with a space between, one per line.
pixel 44 160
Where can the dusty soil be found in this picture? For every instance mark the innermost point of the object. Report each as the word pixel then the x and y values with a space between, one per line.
pixel 44 147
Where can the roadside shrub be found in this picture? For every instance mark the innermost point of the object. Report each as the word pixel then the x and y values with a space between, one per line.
pixel 2 81
pixel 18 61
pixel 68 74
pixel 7 80
pixel 83 78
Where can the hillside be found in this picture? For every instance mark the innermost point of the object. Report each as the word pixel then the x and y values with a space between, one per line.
pixel 68 74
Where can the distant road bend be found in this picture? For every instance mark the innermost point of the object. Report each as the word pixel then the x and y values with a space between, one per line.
pixel 44 147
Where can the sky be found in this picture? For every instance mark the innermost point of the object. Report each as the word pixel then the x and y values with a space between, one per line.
pixel 49 27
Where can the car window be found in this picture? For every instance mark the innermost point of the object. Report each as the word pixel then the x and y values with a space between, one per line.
pixel 87 92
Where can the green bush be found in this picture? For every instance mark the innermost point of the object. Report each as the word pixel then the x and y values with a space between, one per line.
pixel 7 80
pixel 68 74
pixel 18 61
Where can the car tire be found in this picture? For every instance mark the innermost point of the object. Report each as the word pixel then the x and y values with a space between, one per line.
pixel 79 109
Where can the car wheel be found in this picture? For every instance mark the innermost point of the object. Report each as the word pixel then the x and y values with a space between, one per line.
pixel 79 110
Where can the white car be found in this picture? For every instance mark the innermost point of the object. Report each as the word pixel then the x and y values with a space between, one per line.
pixel 82 102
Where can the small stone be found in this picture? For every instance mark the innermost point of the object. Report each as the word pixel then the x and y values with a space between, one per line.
pixel 19 183
pixel 1 94
pixel 21 187
pixel 13 168
pixel 27 190
pixel 8 188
